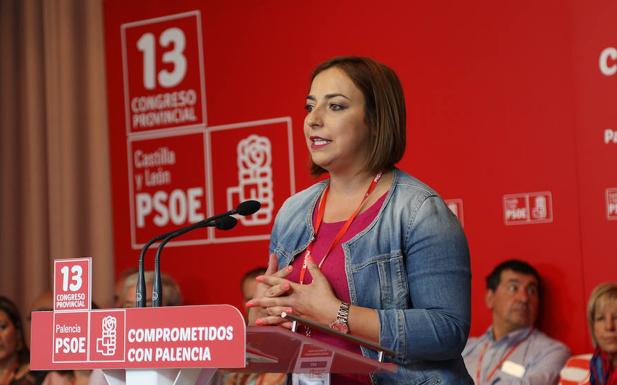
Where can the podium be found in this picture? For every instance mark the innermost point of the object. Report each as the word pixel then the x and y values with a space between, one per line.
pixel 265 349
pixel 183 345
pixel 270 349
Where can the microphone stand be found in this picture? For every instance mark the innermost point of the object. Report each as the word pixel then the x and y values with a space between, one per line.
pixel 140 294
pixel 245 208
pixel 222 223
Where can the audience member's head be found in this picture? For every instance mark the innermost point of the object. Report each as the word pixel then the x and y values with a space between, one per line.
pixel 119 286
pixel 513 296
pixel 171 290
pixel 12 337
pixel 248 283
pixel 602 318
pixel 44 302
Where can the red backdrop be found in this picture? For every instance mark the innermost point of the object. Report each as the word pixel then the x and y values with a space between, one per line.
pixel 509 115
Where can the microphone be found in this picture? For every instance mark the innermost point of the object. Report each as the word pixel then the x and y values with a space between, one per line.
pixel 225 223
pixel 247 208
pixel 244 208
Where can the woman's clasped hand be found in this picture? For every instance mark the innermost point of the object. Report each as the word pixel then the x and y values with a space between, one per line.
pixel 314 301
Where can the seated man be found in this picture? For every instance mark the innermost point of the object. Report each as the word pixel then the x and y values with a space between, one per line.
pixel 118 300
pixel 513 351
pixel 171 290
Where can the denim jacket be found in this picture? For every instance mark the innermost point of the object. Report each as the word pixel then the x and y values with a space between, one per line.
pixel 412 265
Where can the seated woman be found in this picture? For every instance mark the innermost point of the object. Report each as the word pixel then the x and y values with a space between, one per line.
pixel 14 353
pixel 602 318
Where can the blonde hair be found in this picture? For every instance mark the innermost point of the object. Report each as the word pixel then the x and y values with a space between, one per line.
pixel 599 296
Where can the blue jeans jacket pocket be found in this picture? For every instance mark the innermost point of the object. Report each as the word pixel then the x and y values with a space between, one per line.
pixel 389 279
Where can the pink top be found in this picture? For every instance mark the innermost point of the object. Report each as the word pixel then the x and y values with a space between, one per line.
pixel 334 270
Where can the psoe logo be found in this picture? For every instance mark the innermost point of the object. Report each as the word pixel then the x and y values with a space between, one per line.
pixel 456 206
pixel 528 208
pixel 254 179
pixel 611 204
pixel 106 345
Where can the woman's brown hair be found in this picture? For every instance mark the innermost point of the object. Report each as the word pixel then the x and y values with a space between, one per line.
pixel 10 309
pixel 384 109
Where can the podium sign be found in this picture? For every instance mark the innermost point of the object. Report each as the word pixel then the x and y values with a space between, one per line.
pixel 72 284
pixel 72 302
pixel 208 336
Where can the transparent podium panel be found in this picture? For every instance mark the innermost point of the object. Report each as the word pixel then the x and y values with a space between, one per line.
pixel 275 349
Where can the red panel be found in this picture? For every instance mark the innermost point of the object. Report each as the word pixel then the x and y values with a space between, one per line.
pixel 596 123
pixel 494 110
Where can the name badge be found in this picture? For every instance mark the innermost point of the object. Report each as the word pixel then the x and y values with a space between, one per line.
pixel 310 379
pixel 513 369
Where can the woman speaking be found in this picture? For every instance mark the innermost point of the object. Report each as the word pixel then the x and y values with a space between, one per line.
pixel 370 251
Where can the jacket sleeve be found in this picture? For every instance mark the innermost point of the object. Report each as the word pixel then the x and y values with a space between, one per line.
pixel 275 233
pixel 436 325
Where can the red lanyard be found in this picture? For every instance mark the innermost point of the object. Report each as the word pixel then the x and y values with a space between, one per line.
pixel 505 357
pixel 342 231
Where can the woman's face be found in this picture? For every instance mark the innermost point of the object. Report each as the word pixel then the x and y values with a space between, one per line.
pixel 335 129
pixel 9 337
pixel 605 324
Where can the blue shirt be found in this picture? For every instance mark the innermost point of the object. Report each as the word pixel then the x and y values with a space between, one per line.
pixel 536 361
pixel 411 263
